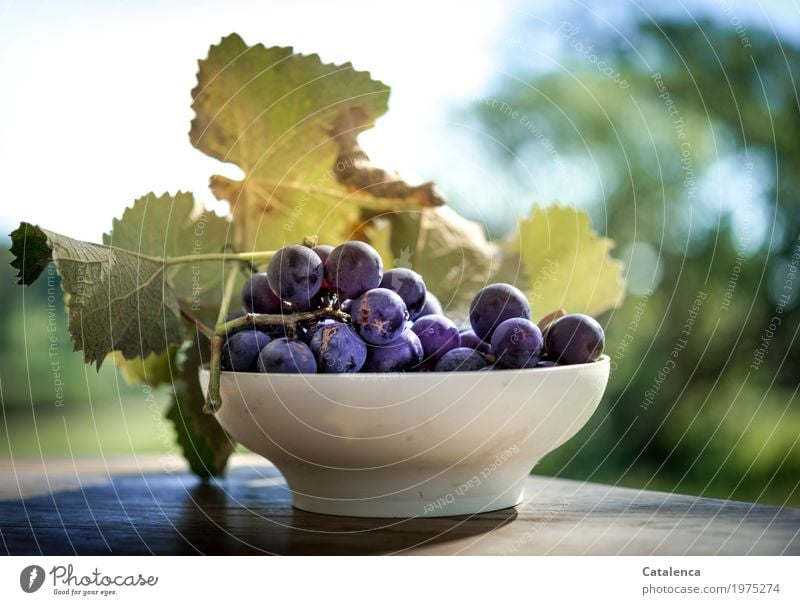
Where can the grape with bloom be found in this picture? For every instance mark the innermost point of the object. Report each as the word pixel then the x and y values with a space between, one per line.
pixel 409 286
pixel 471 340
pixel 295 274
pixel 338 349
pixel 517 343
pixel 323 252
pixel 241 350
pixel 574 338
pixel 379 316
pixel 495 304
pixel 338 312
pixel 437 334
pixel 353 268
pixel 462 359
pixel 258 297
pixel 404 353
pixel 432 306
pixel 287 356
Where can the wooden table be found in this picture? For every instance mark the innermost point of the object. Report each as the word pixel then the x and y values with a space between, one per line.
pixel 135 506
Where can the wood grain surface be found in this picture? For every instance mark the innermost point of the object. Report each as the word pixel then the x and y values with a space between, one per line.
pixel 153 506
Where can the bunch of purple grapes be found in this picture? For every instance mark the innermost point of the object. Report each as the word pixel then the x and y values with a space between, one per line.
pixel 389 322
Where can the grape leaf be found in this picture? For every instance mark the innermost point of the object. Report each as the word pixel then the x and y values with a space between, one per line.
pixel 31 252
pixel 154 370
pixel 169 226
pixel 121 296
pixel 450 252
pixel 204 444
pixel 290 122
pixel 563 264
pixel 117 300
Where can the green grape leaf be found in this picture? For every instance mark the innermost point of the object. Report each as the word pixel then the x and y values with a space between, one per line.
pixel 561 263
pixel 117 300
pixel 204 444
pixel 168 226
pixel 121 295
pixel 291 122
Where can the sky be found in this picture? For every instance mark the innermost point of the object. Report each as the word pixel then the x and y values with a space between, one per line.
pixel 95 95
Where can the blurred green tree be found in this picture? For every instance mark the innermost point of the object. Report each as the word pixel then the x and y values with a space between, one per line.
pixel 688 132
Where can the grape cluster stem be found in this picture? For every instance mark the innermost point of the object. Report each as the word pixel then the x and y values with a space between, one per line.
pixel 223 328
pixel 263 319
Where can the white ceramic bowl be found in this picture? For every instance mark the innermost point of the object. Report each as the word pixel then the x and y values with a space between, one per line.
pixel 408 445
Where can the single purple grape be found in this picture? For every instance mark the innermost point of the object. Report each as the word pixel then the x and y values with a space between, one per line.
pixel 295 273
pixel 409 286
pixel 353 268
pixel 495 304
pixel 241 349
pixel 437 334
pixel 275 331
pixel 323 251
pixel 314 328
pixel 574 338
pixel 517 343
pixel 258 297
pixel 432 306
pixel 462 359
pixel 318 301
pixel 379 316
pixel 286 356
pixel 338 349
pixel 346 305
pixel 471 340
pixel 404 353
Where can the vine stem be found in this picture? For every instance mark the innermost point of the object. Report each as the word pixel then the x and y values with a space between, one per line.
pixel 223 328
pixel 201 327
pixel 213 400
pixel 223 256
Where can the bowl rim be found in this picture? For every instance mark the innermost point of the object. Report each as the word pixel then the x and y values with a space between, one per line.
pixel 361 376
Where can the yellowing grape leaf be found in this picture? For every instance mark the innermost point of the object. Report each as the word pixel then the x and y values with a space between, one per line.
pixel 290 122
pixel 564 264
pixel 450 252
pixel 154 370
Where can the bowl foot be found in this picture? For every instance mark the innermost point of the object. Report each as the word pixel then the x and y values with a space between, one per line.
pixel 403 494
pixel 402 509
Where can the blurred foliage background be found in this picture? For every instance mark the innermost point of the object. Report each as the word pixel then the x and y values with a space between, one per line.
pixel 688 132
